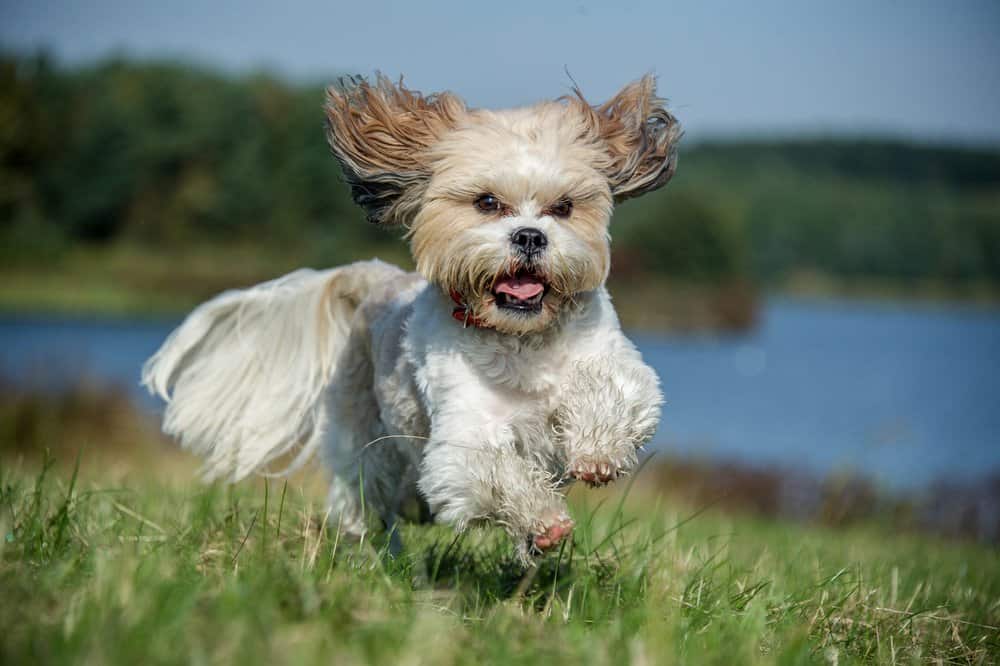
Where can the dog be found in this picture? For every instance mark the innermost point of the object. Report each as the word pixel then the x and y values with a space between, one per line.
pixel 476 389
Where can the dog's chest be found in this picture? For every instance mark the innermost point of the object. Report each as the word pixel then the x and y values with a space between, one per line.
pixel 521 368
pixel 465 373
pixel 504 379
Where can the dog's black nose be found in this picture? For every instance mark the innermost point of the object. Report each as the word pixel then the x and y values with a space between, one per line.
pixel 529 240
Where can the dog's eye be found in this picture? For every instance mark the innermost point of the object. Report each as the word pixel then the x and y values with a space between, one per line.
pixel 561 208
pixel 487 203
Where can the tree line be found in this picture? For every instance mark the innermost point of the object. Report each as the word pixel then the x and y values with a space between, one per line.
pixel 159 154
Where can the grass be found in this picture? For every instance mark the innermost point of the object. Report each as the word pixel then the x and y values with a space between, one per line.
pixel 132 280
pixel 145 568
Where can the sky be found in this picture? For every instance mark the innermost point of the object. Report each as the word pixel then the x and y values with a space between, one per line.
pixel 928 71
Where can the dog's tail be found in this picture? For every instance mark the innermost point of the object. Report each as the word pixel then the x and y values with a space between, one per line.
pixel 244 375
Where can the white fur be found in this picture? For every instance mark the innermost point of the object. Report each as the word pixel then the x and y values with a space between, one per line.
pixel 490 423
pixel 243 375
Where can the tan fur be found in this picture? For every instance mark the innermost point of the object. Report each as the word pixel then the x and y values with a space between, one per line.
pixel 380 134
pixel 641 137
pixel 423 161
pixel 530 158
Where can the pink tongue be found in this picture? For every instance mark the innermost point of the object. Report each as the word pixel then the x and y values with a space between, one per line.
pixel 520 288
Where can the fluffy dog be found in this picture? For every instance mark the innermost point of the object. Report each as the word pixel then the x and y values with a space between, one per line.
pixel 476 389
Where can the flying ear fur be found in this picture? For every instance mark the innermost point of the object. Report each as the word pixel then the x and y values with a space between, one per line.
pixel 640 135
pixel 380 133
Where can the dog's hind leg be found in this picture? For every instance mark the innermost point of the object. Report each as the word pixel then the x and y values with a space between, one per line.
pixel 345 511
pixel 371 472
pixel 353 422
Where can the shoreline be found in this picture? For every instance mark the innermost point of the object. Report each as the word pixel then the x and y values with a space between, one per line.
pixel 677 308
pixel 123 283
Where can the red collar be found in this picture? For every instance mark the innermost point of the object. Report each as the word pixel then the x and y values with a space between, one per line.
pixel 461 313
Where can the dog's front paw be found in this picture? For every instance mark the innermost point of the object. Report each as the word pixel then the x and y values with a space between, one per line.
pixel 552 534
pixel 595 470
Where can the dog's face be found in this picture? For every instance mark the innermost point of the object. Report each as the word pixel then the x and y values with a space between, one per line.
pixel 508 210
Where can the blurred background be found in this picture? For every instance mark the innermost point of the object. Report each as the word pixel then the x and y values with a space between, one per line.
pixel 817 287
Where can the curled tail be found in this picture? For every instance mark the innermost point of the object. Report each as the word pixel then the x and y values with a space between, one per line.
pixel 243 376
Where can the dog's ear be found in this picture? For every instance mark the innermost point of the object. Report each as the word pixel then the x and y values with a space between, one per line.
pixel 380 133
pixel 641 137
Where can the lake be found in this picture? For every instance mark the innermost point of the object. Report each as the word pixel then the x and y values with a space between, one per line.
pixel 904 393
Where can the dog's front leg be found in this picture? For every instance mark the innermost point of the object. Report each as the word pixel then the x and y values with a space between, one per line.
pixel 479 476
pixel 609 408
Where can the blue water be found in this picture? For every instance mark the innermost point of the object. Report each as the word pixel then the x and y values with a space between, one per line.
pixel 906 394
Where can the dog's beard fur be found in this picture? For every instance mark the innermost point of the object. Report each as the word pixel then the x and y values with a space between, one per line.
pixel 463 254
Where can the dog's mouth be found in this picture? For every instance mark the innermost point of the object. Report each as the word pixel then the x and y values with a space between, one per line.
pixel 522 292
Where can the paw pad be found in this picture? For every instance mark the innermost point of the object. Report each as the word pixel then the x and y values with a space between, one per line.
pixel 553 534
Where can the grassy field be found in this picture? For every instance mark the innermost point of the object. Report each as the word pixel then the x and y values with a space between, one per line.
pixel 142 564
pixel 129 280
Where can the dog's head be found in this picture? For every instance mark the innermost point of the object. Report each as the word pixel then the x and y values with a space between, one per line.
pixel 508 209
